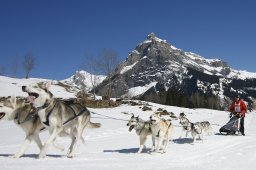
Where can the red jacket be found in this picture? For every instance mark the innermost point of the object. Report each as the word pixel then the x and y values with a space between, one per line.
pixel 238 107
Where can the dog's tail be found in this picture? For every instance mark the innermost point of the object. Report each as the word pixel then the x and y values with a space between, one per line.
pixel 93 125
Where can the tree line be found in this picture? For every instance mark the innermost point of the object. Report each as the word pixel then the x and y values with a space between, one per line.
pixel 173 97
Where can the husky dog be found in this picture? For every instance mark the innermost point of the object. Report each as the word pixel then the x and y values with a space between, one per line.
pixel 187 126
pixel 59 117
pixel 142 129
pixel 16 109
pixel 206 127
pixel 161 132
pixel 24 115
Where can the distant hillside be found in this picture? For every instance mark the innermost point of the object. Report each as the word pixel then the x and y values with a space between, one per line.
pixel 12 87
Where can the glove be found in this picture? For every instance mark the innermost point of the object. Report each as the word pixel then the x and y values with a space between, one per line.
pixel 243 114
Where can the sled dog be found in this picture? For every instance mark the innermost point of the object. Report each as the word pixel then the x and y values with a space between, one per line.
pixel 161 132
pixel 16 109
pixel 59 117
pixel 142 129
pixel 23 115
pixel 187 126
pixel 206 127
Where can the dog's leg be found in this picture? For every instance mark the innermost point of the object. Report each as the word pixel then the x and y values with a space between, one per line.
pixel 165 143
pixel 181 133
pixel 201 137
pixel 82 138
pixel 159 143
pixel 57 146
pixel 153 144
pixel 38 141
pixel 167 139
pixel 53 135
pixel 187 133
pixel 80 129
pixel 193 136
pixel 142 143
pixel 73 138
pixel 24 146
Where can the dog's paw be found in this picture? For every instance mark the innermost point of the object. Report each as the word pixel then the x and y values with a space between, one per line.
pixel 40 156
pixel 70 156
pixel 156 153
pixel 14 156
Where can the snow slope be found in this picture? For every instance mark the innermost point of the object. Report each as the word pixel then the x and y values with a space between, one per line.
pixel 12 87
pixel 113 147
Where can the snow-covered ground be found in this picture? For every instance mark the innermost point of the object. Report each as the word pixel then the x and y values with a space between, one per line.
pixel 113 147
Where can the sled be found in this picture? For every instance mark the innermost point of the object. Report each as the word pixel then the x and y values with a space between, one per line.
pixel 231 127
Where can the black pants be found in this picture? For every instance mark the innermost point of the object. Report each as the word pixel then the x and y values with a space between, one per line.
pixel 241 129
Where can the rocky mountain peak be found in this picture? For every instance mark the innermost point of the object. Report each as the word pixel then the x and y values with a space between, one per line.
pixel 151 36
pixel 156 68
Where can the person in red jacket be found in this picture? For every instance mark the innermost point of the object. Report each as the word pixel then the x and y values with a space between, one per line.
pixel 239 107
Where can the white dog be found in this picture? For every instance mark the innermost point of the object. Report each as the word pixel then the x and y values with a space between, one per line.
pixel 161 132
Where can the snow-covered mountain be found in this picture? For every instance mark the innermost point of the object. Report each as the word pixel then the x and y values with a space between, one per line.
pixel 12 87
pixel 84 80
pixel 67 88
pixel 155 67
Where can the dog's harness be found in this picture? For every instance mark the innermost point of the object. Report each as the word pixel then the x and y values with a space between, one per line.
pixel 70 119
pixel 80 113
pixel 47 123
pixel 49 113
pixel 191 126
pixel 29 117
pixel 142 128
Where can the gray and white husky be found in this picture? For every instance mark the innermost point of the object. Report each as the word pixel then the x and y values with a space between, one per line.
pixel 59 117
pixel 17 110
pixel 25 116
pixel 187 126
pixel 206 127
pixel 161 132
pixel 142 129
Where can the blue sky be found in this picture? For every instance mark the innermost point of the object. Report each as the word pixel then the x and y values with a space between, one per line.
pixel 60 33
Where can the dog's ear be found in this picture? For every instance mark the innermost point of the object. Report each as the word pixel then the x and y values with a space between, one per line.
pixel 45 85
pixel 132 115
pixel 137 118
pixel 182 114
pixel 13 101
pixel 158 114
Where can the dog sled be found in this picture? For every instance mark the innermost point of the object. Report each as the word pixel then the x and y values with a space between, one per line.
pixel 231 127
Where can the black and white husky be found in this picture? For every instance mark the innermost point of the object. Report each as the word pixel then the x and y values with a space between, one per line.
pixel 187 126
pixel 59 117
pixel 142 129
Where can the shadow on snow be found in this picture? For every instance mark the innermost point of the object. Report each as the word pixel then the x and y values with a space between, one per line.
pixel 130 150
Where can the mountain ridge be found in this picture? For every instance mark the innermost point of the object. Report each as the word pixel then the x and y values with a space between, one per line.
pixel 157 63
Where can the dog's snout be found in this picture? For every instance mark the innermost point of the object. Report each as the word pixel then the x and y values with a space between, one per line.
pixel 23 88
